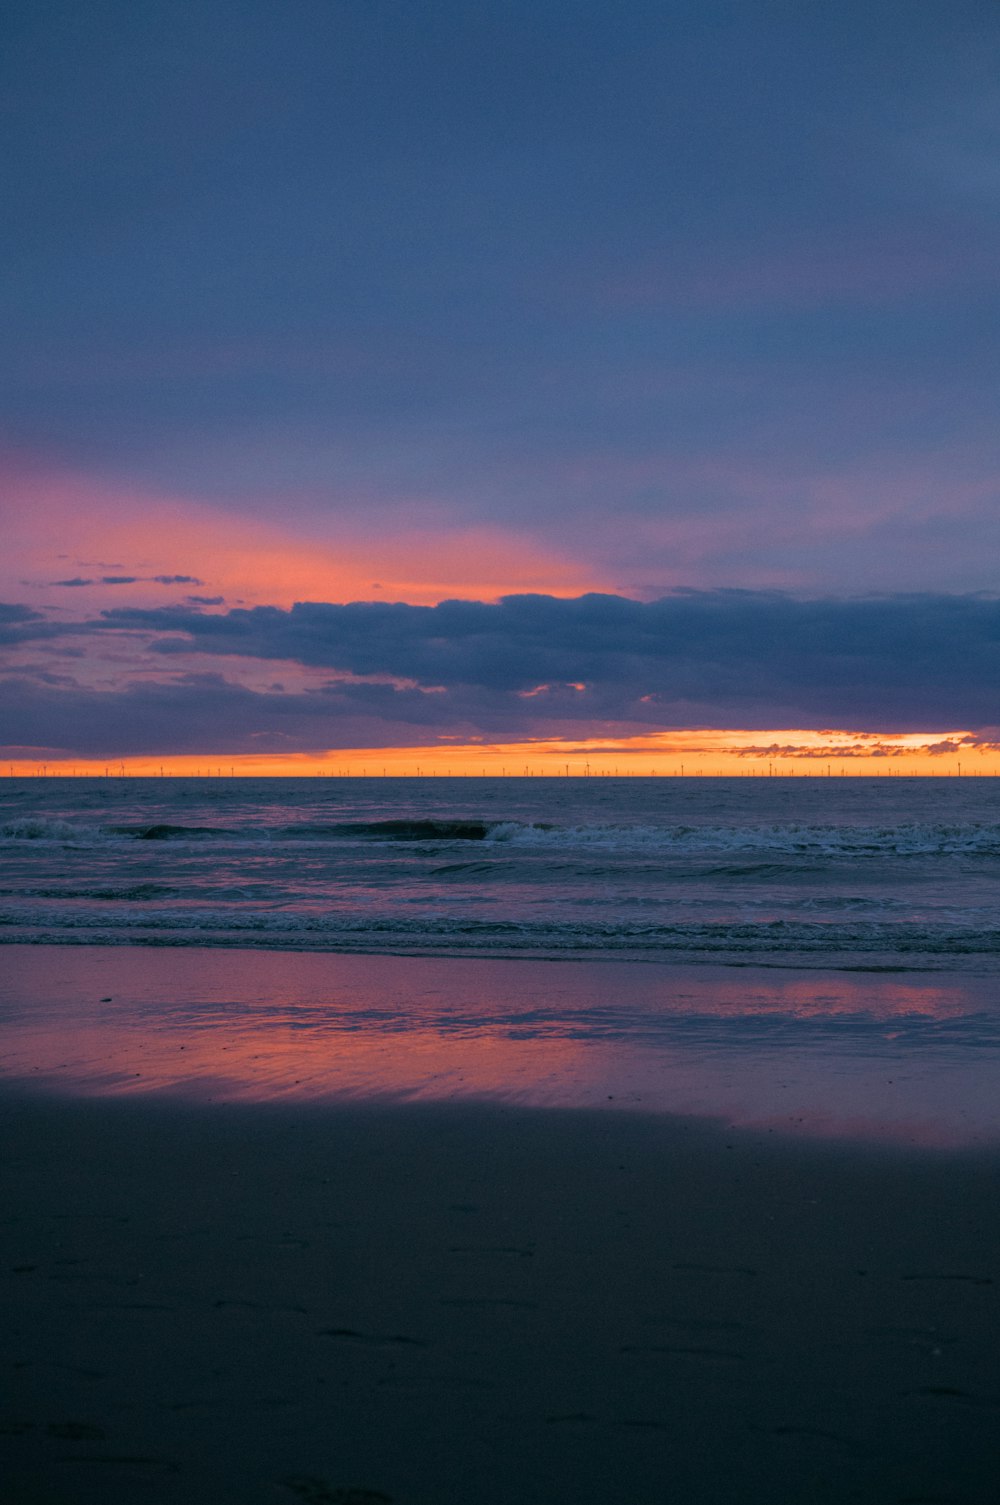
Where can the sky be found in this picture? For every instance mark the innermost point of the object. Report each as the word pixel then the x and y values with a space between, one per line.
pixel 499 383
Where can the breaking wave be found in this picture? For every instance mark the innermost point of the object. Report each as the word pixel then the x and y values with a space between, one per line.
pixel 821 842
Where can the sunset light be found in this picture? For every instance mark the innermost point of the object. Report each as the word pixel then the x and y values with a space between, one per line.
pixel 743 754
pixel 499 752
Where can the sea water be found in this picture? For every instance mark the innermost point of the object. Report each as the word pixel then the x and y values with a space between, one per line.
pixel 891 872
pixel 816 955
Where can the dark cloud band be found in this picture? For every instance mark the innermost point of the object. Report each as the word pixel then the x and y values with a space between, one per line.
pixel 532 666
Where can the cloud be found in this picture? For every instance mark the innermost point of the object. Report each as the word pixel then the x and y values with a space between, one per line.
pixel 719 658
pixel 132 580
pixel 19 624
pixel 521 315
pixel 527 666
pixel 200 712
pixel 15 612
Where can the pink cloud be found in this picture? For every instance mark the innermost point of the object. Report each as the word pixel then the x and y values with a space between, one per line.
pixel 56 520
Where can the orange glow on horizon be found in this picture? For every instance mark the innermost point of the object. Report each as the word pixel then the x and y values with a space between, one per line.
pixel 781 753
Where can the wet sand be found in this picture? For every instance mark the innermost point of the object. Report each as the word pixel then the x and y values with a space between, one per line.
pixel 440 1305
pixel 913 1058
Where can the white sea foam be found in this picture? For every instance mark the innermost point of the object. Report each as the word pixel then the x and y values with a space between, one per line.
pixel 196 926
pixel 793 840
pixel 39 828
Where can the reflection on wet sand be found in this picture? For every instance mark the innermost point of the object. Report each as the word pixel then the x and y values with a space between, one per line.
pixel 867 1055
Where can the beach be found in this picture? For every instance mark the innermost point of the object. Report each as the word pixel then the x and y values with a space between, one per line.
pixel 510 1142
pixel 238 1294
pixel 438 1305
pixel 499 753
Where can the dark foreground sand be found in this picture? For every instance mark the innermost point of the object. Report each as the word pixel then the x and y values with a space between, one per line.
pixel 460 1306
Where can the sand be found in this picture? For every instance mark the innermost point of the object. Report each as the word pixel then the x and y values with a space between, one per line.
pixel 461 1305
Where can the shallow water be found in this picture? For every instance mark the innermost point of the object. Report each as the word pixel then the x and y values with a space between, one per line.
pixel 910 1060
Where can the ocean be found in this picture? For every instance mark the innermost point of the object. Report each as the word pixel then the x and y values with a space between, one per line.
pixel 873 873
pixel 818 955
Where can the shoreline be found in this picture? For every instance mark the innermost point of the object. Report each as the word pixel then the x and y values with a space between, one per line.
pixel 801 1052
pixel 520 1280
pixel 938 963
pixel 941 965
pixel 553 1237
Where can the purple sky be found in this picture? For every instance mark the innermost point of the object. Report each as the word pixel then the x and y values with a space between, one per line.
pixel 691 302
